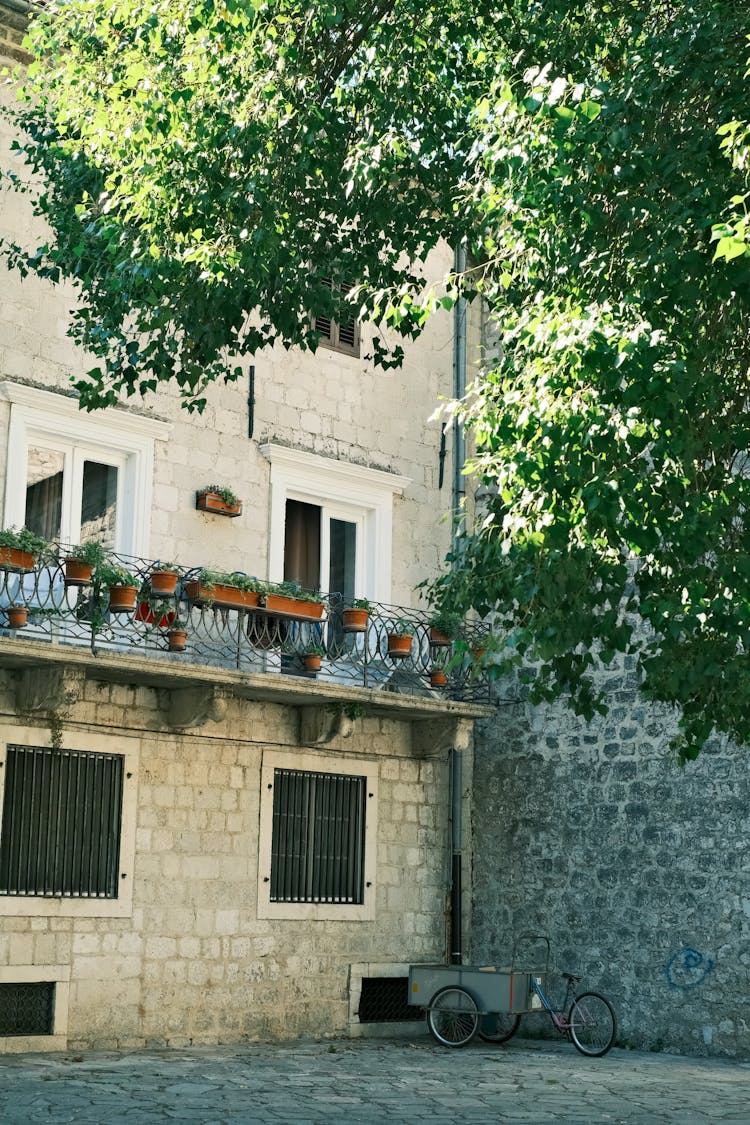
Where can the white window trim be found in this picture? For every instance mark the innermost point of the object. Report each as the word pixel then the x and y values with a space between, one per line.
pixel 118 436
pixel 310 911
pixel 44 906
pixel 336 484
pixel 33 974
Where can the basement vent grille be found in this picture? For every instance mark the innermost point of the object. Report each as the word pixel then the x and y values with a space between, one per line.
pixel 386 1000
pixel 27 1009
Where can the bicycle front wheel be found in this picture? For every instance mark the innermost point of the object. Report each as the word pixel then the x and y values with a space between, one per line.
pixel 593 1025
pixel 452 1017
pixel 498 1027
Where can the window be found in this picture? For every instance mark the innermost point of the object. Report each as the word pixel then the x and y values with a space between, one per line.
pixel 61 822
pixel 71 477
pixel 331 523
pixel 318 845
pixel 321 548
pixel 343 337
pixel 27 1008
pixel 67 826
pixel 318 825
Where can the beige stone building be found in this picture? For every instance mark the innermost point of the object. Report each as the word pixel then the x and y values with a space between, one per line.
pixel 215 842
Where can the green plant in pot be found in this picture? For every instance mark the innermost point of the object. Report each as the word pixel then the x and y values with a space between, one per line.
pixel 81 561
pixel 22 549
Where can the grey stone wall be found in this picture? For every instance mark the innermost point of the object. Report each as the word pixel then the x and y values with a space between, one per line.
pixel 637 869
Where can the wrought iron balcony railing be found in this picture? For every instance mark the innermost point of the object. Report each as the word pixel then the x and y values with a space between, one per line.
pixel 223 628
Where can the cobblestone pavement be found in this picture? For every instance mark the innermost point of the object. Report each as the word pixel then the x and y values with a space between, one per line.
pixel 371 1081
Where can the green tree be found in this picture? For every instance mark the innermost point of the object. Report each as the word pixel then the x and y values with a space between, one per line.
pixel 209 167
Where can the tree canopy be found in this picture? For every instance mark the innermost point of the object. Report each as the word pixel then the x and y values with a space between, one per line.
pixel 208 167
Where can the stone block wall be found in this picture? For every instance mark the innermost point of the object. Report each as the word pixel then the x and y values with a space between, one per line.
pixel 636 868
pixel 192 961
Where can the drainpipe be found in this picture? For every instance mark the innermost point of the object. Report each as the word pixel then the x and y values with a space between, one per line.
pixel 459 491
pixel 456 947
pixel 459 389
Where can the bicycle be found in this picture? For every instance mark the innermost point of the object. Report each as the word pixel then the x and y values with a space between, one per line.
pixel 591 1024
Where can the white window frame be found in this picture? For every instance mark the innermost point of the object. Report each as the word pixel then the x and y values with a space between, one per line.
pixel 313 911
pixel 45 906
pixel 351 492
pixel 112 437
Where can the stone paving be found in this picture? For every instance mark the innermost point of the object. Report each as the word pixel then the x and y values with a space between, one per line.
pixel 362 1082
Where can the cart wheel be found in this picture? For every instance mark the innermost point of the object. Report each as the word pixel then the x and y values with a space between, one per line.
pixel 452 1017
pixel 498 1027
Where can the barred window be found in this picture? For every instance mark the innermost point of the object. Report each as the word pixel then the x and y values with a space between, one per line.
pixel 318 842
pixel 61 823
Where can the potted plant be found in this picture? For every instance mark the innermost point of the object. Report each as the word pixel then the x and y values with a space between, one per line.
pixel 286 599
pixel 438 675
pixel 400 635
pixel 81 562
pixel 218 499
pixel 163 578
pixel 122 586
pixel 312 657
pixel 355 616
pixel 19 550
pixel 224 590
pixel 17 616
pixel 177 634
pixel 444 625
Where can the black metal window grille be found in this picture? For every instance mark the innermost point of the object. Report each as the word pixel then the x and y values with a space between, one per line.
pixel 318 843
pixel 62 812
pixel 386 1000
pixel 27 1009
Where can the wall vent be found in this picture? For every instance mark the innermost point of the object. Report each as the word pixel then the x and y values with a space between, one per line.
pixel 27 1009
pixel 386 1000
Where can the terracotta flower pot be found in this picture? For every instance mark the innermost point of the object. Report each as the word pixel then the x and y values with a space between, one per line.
pixel 13 558
pixel 225 597
pixel 17 616
pixel 438 679
pixel 355 620
pixel 312 662
pixel 122 598
pixel 399 645
pixel 177 639
pixel 282 606
pixel 438 639
pixel 77 572
pixel 163 582
pixel 212 502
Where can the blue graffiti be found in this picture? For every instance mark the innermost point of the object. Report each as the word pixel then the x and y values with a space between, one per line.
pixel 687 968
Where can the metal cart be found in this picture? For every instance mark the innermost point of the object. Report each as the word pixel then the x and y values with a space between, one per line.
pixel 461 1000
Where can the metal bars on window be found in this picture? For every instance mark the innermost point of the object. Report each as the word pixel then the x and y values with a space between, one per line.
pixel 27 1009
pixel 318 845
pixel 60 833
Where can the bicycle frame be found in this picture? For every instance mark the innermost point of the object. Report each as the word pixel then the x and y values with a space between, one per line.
pixel 557 1015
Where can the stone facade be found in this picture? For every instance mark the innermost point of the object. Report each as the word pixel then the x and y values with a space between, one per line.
pixel 187 951
pixel 191 960
pixel 637 869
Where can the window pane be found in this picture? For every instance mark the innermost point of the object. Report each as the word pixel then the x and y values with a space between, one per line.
pixel 99 503
pixel 44 482
pixel 302 544
pixel 343 553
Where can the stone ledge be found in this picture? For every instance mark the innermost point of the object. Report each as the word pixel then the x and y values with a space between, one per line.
pixel 19 655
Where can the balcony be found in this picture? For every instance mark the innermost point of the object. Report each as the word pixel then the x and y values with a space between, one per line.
pixel 304 650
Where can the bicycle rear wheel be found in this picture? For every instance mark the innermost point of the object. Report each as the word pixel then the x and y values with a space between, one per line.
pixel 498 1027
pixel 452 1017
pixel 593 1025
